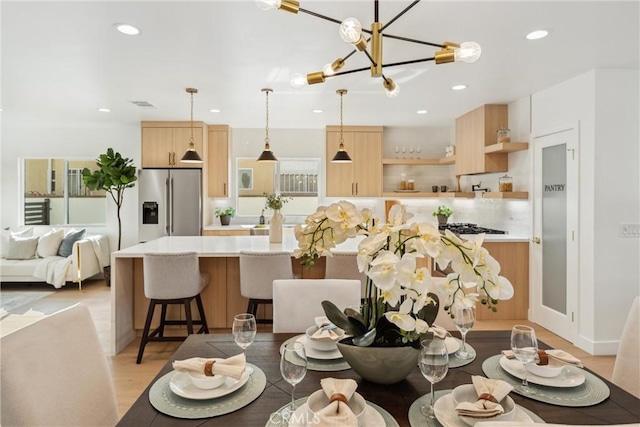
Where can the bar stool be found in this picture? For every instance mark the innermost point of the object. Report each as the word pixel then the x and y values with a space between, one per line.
pixel 173 278
pixel 258 270
pixel 345 266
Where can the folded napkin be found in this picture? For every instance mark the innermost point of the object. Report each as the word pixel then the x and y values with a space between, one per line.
pixel 321 322
pixel 555 354
pixel 438 331
pixel 231 367
pixel 337 413
pixel 490 392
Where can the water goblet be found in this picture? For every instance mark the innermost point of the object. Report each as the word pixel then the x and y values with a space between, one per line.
pixel 404 150
pixel 411 151
pixel 464 318
pixel 418 151
pixel 293 367
pixel 244 330
pixel 525 347
pixel 396 149
pixel 434 364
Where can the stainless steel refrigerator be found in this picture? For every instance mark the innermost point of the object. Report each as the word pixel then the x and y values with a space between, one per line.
pixel 170 203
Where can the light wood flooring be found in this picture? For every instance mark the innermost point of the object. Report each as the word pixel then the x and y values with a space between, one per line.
pixel 131 379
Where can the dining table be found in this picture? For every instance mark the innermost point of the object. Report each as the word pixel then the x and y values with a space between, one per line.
pixel 619 407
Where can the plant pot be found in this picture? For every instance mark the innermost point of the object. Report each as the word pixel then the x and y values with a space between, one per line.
pixel 442 219
pixel 380 365
pixel 225 219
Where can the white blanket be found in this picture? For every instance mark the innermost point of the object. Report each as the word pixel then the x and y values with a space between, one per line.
pixel 101 248
pixel 54 270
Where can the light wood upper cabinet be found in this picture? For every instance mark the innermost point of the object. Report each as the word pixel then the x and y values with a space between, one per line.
pixel 476 130
pixel 218 160
pixel 164 143
pixel 363 176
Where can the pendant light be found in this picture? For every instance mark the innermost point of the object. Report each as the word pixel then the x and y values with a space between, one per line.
pixel 191 156
pixel 267 154
pixel 341 156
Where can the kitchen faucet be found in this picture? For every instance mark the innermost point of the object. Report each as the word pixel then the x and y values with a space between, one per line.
pixel 476 187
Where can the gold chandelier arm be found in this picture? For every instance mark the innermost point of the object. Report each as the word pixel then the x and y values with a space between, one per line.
pixel 407 39
pixel 406 9
pixel 327 18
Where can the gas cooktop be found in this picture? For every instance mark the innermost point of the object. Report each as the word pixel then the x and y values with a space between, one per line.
pixel 465 228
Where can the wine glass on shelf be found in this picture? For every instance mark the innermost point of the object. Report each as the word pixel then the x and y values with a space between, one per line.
pixel 293 367
pixel 404 150
pixel 396 149
pixel 244 330
pixel 412 149
pixel 434 365
pixel 418 151
pixel 464 318
pixel 525 347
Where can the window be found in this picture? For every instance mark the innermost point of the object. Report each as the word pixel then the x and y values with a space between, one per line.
pixel 55 194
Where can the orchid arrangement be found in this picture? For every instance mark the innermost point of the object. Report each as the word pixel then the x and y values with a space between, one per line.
pixel 402 299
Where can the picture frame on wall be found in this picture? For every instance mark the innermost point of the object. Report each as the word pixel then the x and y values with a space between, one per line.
pixel 245 179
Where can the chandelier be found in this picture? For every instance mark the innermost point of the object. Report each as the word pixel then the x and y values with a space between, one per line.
pixel 351 31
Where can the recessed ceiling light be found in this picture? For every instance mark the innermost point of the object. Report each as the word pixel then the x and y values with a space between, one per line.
pixel 104 110
pixel 127 29
pixel 538 34
pixel 421 111
pixel 318 111
pixel 214 110
pixel 459 87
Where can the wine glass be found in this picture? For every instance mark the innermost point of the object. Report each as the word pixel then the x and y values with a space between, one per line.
pixel 244 330
pixel 404 150
pixel 418 151
pixel 464 317
pixel 411 151
pixel 396 149
pixel 293 367
pixel 525 347
pixel 434 364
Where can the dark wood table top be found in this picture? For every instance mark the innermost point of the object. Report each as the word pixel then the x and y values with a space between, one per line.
pixel 621 407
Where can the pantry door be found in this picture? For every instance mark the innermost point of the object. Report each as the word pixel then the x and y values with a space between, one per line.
pixel 554 247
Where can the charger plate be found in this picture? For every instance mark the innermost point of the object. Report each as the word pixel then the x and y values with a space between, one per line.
pixel 454 362
pixel 416 419
pixel 320 365
pixel 164 400
pixel 589 393
pixel 277 420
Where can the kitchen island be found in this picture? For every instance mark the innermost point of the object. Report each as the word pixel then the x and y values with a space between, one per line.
pixel 219 256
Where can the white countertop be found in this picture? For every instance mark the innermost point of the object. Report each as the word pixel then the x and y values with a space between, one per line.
pixel 230 246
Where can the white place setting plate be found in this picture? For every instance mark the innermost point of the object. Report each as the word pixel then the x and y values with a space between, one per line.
pixel 447 416
pixel 303 417
pixel 181 385
pixel 571 376
pixel 317 354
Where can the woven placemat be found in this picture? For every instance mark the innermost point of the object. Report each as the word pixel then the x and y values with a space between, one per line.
pixel 454 362
pixel 169 403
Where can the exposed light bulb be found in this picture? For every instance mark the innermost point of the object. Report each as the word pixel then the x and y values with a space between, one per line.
pixel 350 30
pixel 328 70
pixel 468 52
pixel 298 81
pixel 267 4
pixel 459 87
pixel 391 88
pixel 127 29
pixel 538 34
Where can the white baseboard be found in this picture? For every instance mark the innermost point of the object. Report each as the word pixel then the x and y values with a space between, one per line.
pixel 597 348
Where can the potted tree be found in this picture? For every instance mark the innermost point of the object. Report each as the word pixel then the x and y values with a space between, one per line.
pixel 114 175
pixel 225 215
pixel 442 213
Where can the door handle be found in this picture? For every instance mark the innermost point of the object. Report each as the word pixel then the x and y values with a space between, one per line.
pixel 224 188
pixel 169 158
pixel 356 188
pixel 536 240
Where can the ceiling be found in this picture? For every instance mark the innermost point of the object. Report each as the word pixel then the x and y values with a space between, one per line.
pixel 61 61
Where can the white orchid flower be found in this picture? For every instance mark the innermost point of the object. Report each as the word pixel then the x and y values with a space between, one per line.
pixel 392 296
pixel 402 318
pixel 501 289
pixel 428 241
pixel 373 243
pixel 467 300
pixel 382 270
pixel 405 270
pixel 398 217
pixel 345 214
pixel 421 326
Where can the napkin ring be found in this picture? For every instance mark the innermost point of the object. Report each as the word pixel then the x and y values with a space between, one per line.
pixel 340 397
pixel 488 396
pixel 208 368
pixel 543 359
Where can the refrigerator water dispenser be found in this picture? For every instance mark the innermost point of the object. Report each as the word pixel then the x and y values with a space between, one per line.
pixel 150 212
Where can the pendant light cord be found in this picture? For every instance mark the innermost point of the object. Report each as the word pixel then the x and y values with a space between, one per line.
pixel 266 138
pixel 341 138
pixel 191 143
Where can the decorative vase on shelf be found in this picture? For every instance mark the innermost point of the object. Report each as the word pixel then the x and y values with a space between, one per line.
pixel 275 228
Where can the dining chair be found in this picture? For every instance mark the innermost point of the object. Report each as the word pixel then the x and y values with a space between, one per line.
pixel 258 270
pixel 55 372
pixel 626 368
pixel 297 302
pixel 172 278
pixel 345 266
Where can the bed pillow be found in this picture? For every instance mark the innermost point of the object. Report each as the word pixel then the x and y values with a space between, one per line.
pixel 67 243
pixel 22 247
pixel 4 238
pixel 49 243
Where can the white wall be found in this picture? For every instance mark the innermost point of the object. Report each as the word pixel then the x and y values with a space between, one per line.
pixel 605 104
pixel 68 141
